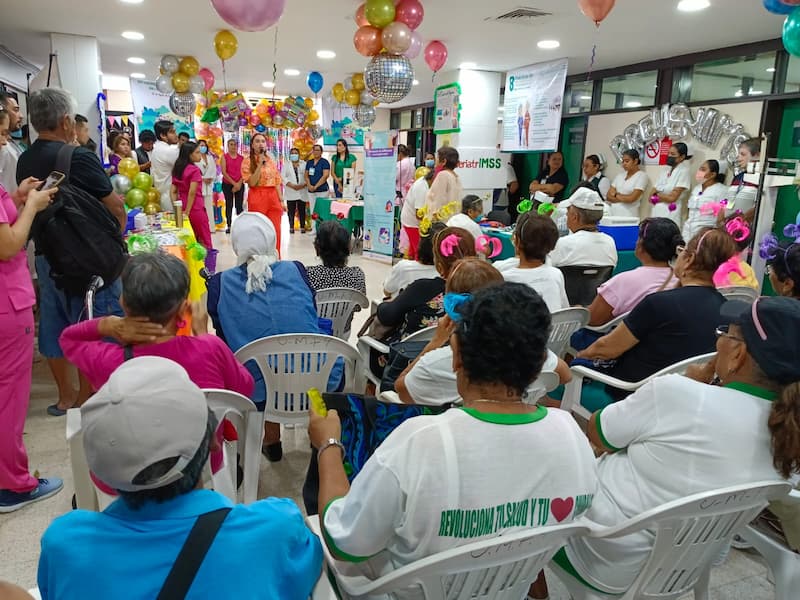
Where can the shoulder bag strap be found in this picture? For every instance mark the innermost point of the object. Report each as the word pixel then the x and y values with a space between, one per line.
pixel 64 160
pixel 128 352
pixel 191 556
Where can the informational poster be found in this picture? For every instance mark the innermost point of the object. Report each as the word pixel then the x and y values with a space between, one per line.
pixel 656 152
pixel 447 109
pixel 339 122
pixel 532 109
pixel 380 168
pixel 150 105
pixel 482 168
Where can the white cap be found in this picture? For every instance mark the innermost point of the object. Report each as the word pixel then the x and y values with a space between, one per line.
pixel 148 411
pixel 586 199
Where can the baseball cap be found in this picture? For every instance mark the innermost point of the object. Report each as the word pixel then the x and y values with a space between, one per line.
pixel 586 199
pixel 771 329
pixel 148 411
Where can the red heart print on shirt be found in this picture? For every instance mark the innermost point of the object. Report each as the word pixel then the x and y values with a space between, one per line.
pixel 561 508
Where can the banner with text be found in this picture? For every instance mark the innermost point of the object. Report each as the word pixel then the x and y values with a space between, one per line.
pixel 380 168
pixel 150 105
pixel 482 168
pixel 532 107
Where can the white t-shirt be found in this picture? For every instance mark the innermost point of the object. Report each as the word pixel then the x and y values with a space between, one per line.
pixel 406 272
pixel 439 482
pixel 626 185
pixel 679 437
pixel 546 281
pixel 679 177
pixel 9 156
pixel 413 202
pixel 161 162
pixel 209 171
pixel 741 196
pixel 506 263
pixel 289 176
pixel 695 221
pixel 584 248
pixel 464 222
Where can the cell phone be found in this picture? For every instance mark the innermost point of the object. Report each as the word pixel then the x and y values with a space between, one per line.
pixel 53 180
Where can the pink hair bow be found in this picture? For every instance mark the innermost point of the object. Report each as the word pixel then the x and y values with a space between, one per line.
pixel 722 276
pixel 713 208
pixel 489 246
pixel 738 229
pixel 449 244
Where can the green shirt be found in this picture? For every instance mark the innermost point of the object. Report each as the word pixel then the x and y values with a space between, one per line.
pixel 340 165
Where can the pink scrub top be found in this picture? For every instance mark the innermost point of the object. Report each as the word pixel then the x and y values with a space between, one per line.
pixel 16 287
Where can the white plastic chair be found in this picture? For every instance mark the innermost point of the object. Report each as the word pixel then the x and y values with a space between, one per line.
pixel 572 391
pixel 603 329
pixel 689 534
pixel 741 293
pixel 500 568
pixel 782 560
pixel 366 342
pixel 292 364
pixel 87 495
pixel 339 304
pixel 565 322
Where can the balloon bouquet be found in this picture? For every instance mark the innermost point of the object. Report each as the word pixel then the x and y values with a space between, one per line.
pixel 136 187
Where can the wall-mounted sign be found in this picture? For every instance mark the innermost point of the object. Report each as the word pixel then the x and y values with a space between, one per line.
pixel 447 109
pixel 481 168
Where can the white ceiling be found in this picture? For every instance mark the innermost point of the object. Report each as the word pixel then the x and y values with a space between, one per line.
pixel 635 31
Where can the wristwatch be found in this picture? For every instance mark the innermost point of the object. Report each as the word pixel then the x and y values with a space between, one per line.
pixel 329 443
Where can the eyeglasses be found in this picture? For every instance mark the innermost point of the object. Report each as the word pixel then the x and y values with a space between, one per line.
pixel 680 250
pixel 723 331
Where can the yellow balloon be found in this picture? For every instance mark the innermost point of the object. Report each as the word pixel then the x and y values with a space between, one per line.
pixel 352 97
pixel 279 105
pixel 309 103
pixel 189 65
pixel 338 92
pixel 313 115
pixel 421 172
pixel 375 102
pixel 128 167
pixel 153 196
pixel 151 208
pixel 180 81
pixel 225 44
pixel 358 81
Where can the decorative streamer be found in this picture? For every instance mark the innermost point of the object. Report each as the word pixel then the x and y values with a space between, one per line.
pixel 101 108
pixel 275 64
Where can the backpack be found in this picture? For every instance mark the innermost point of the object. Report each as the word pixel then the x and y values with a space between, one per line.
pixel 78 235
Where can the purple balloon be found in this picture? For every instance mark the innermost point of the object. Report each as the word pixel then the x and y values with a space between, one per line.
pixel 415 47
pixel 249 15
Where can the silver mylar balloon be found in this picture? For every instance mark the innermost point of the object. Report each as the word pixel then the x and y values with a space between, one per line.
pixel 315 131
pixel 365 115
pixel 196 84
pixel 169 64
pixel 389 77
pixel 230 125
pixel 366 97
pixel 182 105
pixel 121 184
pixel 164 84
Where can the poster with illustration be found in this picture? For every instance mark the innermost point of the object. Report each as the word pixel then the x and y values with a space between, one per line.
pixel 447 109
pixel 532 108
pixel 150 105
pixel 339 122
pixel 380 167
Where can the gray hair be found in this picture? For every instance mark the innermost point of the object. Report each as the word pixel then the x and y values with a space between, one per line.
pixel 49 106
pixel 589 217
pixel 154 286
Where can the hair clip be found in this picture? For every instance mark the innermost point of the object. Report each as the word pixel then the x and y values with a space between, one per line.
pixel 524 206
pixel 713 208
pixel 769 246
pixel 738 229
pixel 546 208
pixel 792 230
pixel 489 246
pixel 449 244
pixel 452 302
pixel 722 276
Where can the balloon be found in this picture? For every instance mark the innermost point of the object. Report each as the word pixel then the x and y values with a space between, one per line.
pixel 315 81
pixel 135 197
pixel 246 15
pixel 196 84
pixel 154 197
pixel 358 81
pixel 180 82
pixel 313 115
pixel 791 2
pixel 379 13
pixel 309 103
pixel 189 65
pixel 365 115
pixel 261 110
pixel 338 93
pixel 366 98
pixel 278 120
pixel 360 18
pixel 367 40
pixel 389 77
pixel 128 167
pixel 164 83
pixel 143 181
pixel 791 33
pixel 435 55
pixel 121 184
pixel 225 44
pixel 777 7
pixel 169 64
pixel 352 97
pixel 415 47
pixel 182 104
pixel 596 10
pixel 152 208
pixel 421 172
pixel 396 37
pixel 208 78
pixel 348 83
pixel 409 12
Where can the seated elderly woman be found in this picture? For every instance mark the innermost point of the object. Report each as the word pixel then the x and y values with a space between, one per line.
pixel 783 265
pixel 743 427
pixel 332 245
pixel 260 297
pixel 737 272
pixel 669 326
pixel 392 515
pixel 406 272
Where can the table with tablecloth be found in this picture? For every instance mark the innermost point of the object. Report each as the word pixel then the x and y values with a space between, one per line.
pixel 349 214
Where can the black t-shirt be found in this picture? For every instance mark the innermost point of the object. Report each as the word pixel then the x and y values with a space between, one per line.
pixel 418 306
pixel 671 326
pixel 142 158
pixel 559 176
pixel 86 172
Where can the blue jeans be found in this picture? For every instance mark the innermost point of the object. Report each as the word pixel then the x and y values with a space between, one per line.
pixel 58 310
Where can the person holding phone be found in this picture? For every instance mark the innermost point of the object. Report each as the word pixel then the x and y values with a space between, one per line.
pixel 264 185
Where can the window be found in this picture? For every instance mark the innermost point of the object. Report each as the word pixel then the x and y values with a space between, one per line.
pixel 735 77
pixel 629 91
pixel 793 76
pixel 578 97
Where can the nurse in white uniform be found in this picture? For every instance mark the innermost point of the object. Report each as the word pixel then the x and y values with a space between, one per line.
pixel 673 185
pixel 627 189
pixel 709 189
pixel 742 194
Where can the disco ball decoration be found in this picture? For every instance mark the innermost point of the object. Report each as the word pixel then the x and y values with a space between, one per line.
pixel 182 105
pixel 389 77
pixel 365 115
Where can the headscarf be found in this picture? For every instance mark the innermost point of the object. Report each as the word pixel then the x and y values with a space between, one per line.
pixel 253 239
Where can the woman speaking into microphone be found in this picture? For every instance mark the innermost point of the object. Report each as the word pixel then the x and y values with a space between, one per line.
pixel 264 185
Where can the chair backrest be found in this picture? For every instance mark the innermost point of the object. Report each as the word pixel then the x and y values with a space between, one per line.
pixel 741 293
pixel 338 305
pixel 689 534
pixel 500 568
pixel 581 283
pixel 564 323
pixel 500 216
pixel 423 335
pixel 545 383
pixel 680 367
pixel 293 363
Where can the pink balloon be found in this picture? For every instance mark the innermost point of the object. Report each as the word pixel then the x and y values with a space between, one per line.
pixel 208 78
pixel 596 10
pixel 415 47
pixel 396 37
pixel 435 55
pixel 409 12
pixel 246 15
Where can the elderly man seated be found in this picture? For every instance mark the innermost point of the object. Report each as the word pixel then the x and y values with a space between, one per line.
pixel 148 433
pixel 585 245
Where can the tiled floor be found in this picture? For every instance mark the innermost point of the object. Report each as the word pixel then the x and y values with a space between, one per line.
pixel 742 577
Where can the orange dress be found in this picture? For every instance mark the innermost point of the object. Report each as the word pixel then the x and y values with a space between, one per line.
pixel 264 197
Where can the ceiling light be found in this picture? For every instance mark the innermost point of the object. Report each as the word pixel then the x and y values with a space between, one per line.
pixel 326 54
pixel 693 5
pixel 771 70
pixel 131 1
pixel 291 72
pixel 133 35
pixel 633 104
pixel 467 65
pixel 138 75
pixel 268 84
pixel 548 44
pixel 756 92
pixel 135 60
pixel 585 98
pixel 415 82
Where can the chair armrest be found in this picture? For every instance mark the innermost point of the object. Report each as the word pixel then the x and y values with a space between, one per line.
pixel 371 342
pixel 607 379
pixel 390 397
